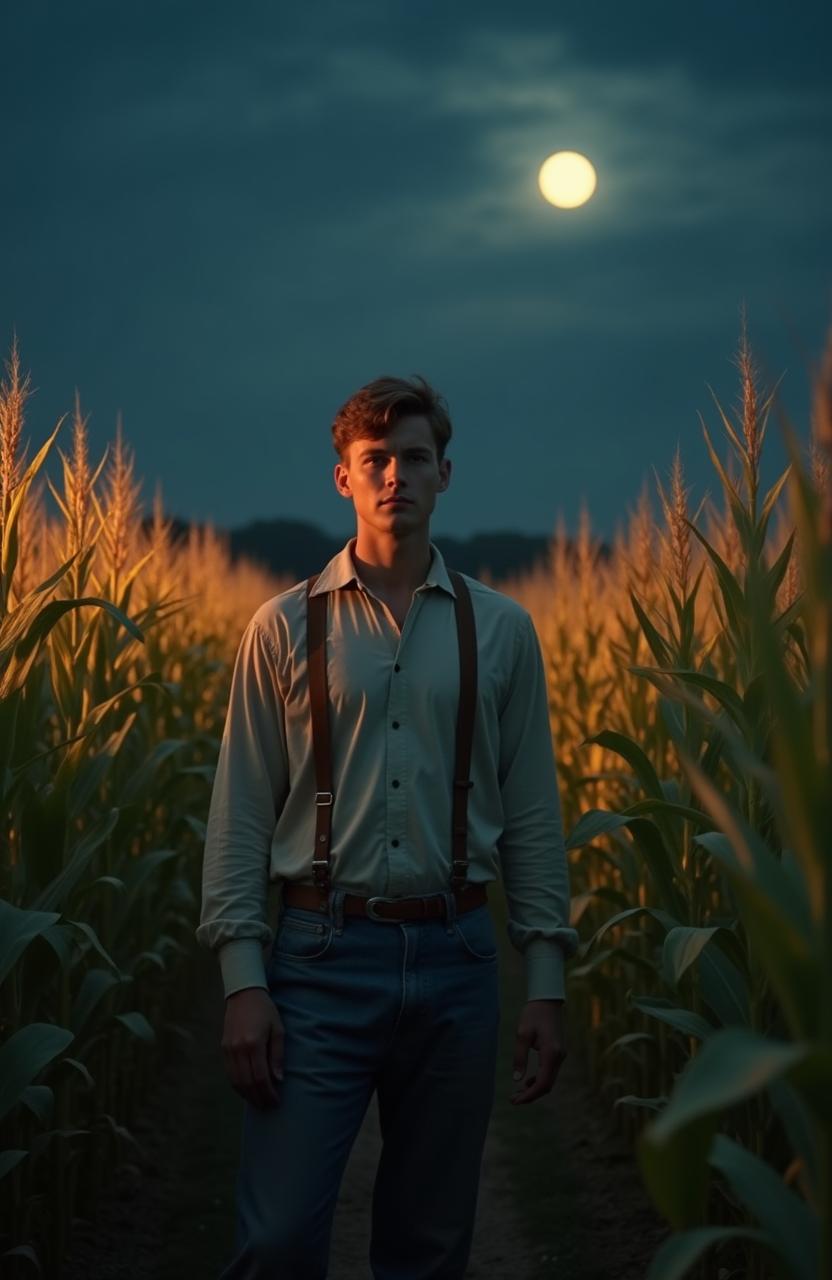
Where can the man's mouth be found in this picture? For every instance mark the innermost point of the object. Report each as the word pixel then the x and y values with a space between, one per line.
pixel 395 502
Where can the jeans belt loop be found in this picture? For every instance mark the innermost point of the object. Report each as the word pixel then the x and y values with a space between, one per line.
pixel 450 910
pixel 336 909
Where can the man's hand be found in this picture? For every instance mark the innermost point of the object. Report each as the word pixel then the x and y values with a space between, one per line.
pixel 541 1027
pixel 252 1045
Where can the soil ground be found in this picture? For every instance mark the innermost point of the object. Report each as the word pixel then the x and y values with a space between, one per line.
pixel 560 1193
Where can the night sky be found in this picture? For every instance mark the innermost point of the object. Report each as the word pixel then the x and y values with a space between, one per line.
pixel 222 219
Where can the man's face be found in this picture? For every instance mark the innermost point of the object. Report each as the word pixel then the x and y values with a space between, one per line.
pixel 402 463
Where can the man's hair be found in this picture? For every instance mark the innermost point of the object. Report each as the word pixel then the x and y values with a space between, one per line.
pixel 379 405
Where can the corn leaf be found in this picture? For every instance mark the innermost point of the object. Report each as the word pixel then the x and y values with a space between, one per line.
pixel 25 1055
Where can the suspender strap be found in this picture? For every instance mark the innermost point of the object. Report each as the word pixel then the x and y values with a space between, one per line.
pixel 316 620
pixel 466 711
pixel 321 745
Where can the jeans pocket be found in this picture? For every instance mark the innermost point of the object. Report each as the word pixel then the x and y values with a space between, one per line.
pixel 475 930
pixel 301 934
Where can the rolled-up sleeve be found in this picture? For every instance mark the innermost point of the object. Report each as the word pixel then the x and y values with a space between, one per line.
pixel 532 851
pixel 250 787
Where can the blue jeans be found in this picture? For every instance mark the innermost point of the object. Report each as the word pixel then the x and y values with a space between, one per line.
pixel 406 1009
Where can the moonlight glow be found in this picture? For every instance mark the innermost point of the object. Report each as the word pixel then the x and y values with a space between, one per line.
pixel 567 179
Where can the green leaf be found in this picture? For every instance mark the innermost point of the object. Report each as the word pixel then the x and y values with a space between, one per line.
pixel 17 929
pixel 676 1172
pixel 95 984
pixel 26 650
pixel 724 694
pixel 646 808
pixel 723 986
pixel 648 841
pixel 54 894
pixel 40 1100
pixel 813 1079
pixel 774 910
pixel 661 917
pixel 9 1160
pixel 684 1020
pixel 148 957
pixel 794 1229
pixel 628 1038
pixel 95 942
pixel 593 823
pixel 678 1254
pixel 112 882
pixel 137 872
pixel 80 1068
pixel 778 569
pixel 773 494
pixel 18 493
pixel 25 1251
pixel 635 757
pixel 682 946
pixel 61 940
pixel 801 1130
pixel 630 1100
pixel 25 1055
pixel 657 643
pixel 730 589
pixel 144 778
pixel 138 1025
pixel 733 1064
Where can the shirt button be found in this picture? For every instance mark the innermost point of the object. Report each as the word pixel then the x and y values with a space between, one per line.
pixel 395 844
pixel 396 667
pixel 395 782
pixel 395 724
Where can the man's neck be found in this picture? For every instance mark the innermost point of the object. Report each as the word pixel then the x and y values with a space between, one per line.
pixel 394 567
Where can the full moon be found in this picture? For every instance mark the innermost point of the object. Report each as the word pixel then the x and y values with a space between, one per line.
pixel 567 179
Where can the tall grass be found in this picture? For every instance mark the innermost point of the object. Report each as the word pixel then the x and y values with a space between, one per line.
pixel 113 675
pixel 690 703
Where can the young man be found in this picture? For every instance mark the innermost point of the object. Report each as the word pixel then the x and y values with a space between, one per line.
pixel 382 972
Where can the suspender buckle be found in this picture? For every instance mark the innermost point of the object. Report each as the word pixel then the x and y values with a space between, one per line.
pixel 318 799
pixel 320 874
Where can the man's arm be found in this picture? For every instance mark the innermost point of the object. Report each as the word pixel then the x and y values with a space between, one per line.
pixel 532 852
pixel 250 786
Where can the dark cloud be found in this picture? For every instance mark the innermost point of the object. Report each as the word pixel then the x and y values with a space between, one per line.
pixel 222 220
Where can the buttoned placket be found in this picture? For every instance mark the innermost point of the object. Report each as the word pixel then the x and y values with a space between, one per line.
pixel 399 877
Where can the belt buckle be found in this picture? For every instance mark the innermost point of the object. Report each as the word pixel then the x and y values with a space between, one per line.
pixel 371 913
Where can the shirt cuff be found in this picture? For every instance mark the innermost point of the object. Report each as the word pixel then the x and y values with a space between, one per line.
pixel 241 963
pixel 544 970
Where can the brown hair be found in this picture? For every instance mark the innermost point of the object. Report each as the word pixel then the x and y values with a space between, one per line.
pixel 378 405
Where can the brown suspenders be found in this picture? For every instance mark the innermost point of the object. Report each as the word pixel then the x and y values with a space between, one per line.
pixel 316 618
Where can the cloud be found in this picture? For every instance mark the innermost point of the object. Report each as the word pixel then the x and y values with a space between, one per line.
pixel 358 166
pixel 673 154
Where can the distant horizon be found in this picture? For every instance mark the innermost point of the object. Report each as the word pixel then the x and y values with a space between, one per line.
pixel 770 468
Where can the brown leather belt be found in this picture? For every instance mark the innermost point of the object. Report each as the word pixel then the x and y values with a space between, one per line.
pixel 379 908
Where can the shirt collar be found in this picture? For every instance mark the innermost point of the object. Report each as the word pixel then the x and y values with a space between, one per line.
pixel 340 571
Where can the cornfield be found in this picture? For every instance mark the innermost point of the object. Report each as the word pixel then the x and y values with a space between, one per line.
pixel 690 684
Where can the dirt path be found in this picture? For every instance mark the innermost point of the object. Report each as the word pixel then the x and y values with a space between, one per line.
pixel 559 1195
